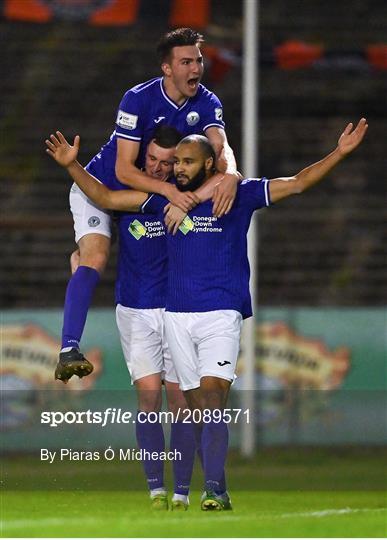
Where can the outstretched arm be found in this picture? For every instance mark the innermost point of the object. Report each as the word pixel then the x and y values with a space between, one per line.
pixel 66 155
pixel 350 139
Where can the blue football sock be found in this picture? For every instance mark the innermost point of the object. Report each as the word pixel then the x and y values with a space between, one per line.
pixel 183 441
pixel 198 431
pixel 150 438
pixel 79 293
pixel 198 438
pixel 214 448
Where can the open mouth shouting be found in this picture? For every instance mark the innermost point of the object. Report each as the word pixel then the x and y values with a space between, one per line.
pixel 193 84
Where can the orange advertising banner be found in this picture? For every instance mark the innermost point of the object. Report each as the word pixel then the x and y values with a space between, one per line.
pixel 27 10
pixel 192 13
pixel 97 12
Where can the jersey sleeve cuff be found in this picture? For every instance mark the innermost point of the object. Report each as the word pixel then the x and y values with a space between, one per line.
pixel 221 126
pixel 267 191
pixel 144 205
pixel 154 204
pixel 130 137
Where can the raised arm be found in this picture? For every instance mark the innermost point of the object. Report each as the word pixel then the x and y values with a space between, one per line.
pixel 225 191
pixel 66 156
pixel 129 174
pixel 350 139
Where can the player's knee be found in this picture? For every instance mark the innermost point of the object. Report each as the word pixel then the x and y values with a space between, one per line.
pixel 96 259
pixel 213 399
pixel 214 392
pixel 175 398
pixel 74 260
pixel 99 261
pixel 177 403
pixel 149 405
pixel 193 399
pixel 149 400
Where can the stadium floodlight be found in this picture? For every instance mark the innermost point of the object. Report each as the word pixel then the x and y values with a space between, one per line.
pixel 250 94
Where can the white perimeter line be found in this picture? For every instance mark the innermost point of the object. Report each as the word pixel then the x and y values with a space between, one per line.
pixel 331 512
pixel 81 520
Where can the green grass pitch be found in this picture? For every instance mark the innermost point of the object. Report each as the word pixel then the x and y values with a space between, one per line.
pixel 282 493
pixel 255 514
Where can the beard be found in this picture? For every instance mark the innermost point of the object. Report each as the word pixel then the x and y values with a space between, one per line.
pixel 195 182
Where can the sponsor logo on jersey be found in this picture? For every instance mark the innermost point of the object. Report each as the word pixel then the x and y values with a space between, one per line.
pixel 137 229
pixel 126 120
pixel 219 113
pixel 94 221
pixel 186 225
pixel 150 229
pixel 158 120
pixel 192 118
pixel 200 224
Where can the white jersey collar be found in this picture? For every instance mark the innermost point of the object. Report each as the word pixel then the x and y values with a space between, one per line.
pixel 174 105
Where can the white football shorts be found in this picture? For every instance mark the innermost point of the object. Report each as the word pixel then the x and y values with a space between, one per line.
pixel 145 348
pixel 88 218
pixel 203 344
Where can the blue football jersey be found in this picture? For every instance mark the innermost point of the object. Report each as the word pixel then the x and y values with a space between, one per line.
pixel 141 110
pixel 142 262
pixel 208 268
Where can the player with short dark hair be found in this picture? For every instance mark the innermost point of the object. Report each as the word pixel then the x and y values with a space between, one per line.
pixel 208 280
pixel 142 282
pixel 177 99
pixel 140 304
pixel 166 137
pixel 180 37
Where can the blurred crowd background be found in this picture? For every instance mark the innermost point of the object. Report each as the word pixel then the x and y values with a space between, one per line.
pixel 322 64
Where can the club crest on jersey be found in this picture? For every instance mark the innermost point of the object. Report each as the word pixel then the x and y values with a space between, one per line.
pixel 94 221
pixel 126 120
pixel 192 118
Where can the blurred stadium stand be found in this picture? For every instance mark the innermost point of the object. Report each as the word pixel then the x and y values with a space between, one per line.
pixel 328 247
